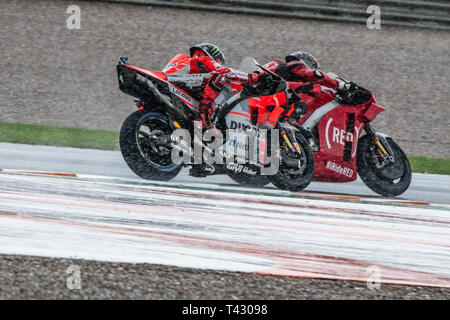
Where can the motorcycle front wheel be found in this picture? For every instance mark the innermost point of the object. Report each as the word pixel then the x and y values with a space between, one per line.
pixel 141 149
pixel 295 170
pixel 390 180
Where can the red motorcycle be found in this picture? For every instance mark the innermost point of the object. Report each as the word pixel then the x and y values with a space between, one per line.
pixel 335 123
pixel 148 136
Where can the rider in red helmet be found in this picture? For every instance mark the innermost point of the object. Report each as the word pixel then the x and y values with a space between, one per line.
pixel 207 59
pixel 300 66
pixel 303 68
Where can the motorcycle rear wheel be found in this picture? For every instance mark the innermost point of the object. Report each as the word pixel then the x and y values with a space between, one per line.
pixel 381 180
pixel 142 156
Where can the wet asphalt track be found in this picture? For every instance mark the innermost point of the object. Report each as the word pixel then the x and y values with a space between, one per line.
pixel 214 225
pixel 424 187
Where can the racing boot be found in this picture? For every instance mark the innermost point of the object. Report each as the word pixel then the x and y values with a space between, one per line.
pixel 198 171
pixel 203 170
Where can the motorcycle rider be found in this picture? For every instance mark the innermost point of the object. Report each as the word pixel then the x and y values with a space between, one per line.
pixel 204 72
pixel 208 61
pixel 303 69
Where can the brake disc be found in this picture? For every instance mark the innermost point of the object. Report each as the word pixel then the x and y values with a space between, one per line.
pixel 393 170
pixel 293 165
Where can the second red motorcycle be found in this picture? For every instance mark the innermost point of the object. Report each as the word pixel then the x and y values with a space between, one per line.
pixel 338 127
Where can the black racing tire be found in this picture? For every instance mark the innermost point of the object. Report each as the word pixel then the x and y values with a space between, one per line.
pixel 377 180
pixel 142 160
pixel 247 180
pixel 296 182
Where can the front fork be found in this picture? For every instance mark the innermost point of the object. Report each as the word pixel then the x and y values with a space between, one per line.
pixel 382 146
pixel 287 133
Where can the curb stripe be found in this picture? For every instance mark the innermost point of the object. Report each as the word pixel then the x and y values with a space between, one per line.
pixel 49 173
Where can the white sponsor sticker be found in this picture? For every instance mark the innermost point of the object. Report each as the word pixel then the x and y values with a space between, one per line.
pixel 339 169
pixel 184 96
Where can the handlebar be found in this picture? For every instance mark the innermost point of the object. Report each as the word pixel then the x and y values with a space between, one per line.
pixel 273 74
pixel 355 97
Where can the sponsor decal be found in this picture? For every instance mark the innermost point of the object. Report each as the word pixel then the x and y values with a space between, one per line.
pixel 184 96
pixel 195 80
pixel 235 143
pixel 187 98
pixel 187 77
pixel 339 136
pixel 170 65
pixel 234 125
pixel 339 169
pixel 237 74
pixel 239 168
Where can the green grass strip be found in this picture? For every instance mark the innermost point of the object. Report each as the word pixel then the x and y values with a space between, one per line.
pixel 109 140
pixel 429 165
pixel 59 136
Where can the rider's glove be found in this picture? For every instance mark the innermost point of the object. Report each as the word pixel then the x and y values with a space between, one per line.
pixel 265 80
pixel 223 70
pixel 205 120
pixel 347 86
pixel 300 109
pixel 220 80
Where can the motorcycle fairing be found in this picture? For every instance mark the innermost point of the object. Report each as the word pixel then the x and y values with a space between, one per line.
pixel 317 115
pixel 225 94
pixel 238 118
pixel 372 111
pixel 238 122
pixel 247 113
pixel 338 131
pixel 325 96
pixel 337 127
pixel 129 85
pixel 241 118
pixel 178 62
pixel 154 74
